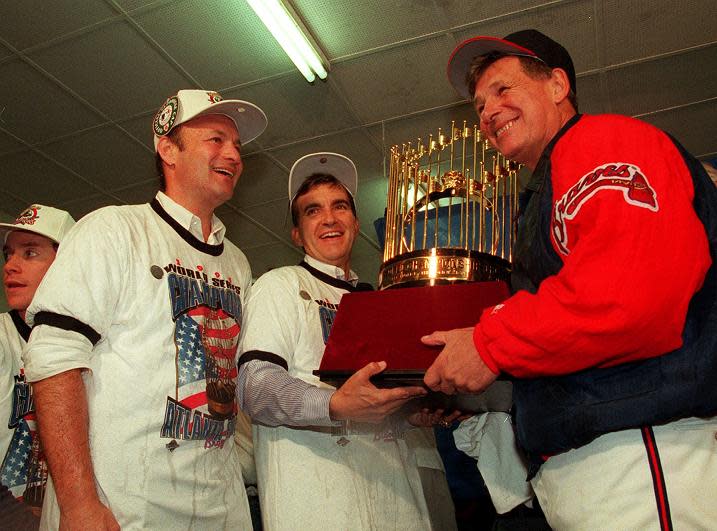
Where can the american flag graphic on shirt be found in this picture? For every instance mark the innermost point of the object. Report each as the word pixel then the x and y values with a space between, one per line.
pixel 204 406
pixel 24 469
pixel 206 349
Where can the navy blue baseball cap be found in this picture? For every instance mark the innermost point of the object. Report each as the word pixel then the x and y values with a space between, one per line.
pixel 526 43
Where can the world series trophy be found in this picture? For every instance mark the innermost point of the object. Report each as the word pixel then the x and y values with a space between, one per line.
pixel 450 211
pixel 448 232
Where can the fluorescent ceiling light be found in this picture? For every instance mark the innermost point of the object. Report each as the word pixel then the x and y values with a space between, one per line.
pixel 290 33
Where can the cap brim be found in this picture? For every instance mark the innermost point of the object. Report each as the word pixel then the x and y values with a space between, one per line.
pixel 340 166
pixel 7 228
pixel 249 119
pixel 462 57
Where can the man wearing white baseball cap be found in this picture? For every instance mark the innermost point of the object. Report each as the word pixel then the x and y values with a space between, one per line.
pixel 134 343
pixel 29 247
pixel 323 455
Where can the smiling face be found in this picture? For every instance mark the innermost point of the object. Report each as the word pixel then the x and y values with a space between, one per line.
pixel 27 258
pixel 520 113
pixel 326 227
pixel 204 166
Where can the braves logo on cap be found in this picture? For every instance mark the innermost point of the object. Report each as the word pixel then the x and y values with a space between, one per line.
pixel 29 216
pixel 165 117
pixel 214 97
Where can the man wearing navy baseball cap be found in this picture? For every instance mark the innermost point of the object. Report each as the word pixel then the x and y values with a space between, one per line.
pixel 614 359
pixel 134 346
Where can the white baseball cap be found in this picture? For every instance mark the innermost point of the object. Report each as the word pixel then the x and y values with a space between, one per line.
pixel 249 119
pixel 46 221
pixel 335 164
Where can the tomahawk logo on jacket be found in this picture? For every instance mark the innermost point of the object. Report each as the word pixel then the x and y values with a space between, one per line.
pixel 627 178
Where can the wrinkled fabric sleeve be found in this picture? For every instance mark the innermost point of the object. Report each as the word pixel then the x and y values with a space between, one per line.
pixel 266 391
pixel 630 272
pixel 270 396
pixel 81 290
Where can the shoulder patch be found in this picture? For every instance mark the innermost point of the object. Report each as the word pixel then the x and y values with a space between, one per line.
pixel 628 178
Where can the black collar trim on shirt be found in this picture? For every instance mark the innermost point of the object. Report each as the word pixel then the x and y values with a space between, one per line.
pixel 335 282
pixel 20 325
pixel 213 250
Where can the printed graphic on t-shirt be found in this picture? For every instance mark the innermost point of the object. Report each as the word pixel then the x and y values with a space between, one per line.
pixel 327 314
pixel 207 316
pixel 24 469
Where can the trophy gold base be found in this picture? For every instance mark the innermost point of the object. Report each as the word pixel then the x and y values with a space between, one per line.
pixel 430 267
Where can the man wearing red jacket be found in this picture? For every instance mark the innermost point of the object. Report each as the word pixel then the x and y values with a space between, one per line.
pixel 611 333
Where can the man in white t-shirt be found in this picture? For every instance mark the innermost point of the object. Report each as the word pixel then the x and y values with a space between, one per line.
pixel 325 457
pixel 133 350
pixel 29 247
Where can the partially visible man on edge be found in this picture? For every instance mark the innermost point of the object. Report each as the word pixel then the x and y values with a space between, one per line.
pixel 133 351
pixel 29 247
pixel 611 333
pixel 326 457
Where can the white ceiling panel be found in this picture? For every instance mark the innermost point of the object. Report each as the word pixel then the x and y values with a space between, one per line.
pixel 36 109
pixel 49 19
pixel 225 55
pixel 366 25
pixel 35 179
pixel 274 218
pixel 664 83
pixel 592 95
pixel 140 127
pixel 244 232
pixel 133 74
pixel 411 74
pixel 459 12
pixel 108 157
pixel 692 126
pixel 411 128
pixel 8 144
pixel 138 6
pixel 645 28
pixel 261 181
pixel 320 109
pixel 137 193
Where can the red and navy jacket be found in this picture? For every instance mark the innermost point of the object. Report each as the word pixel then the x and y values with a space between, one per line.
pixel 613 321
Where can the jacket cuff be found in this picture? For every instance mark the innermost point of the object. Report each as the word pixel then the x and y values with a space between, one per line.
pixel 483 350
